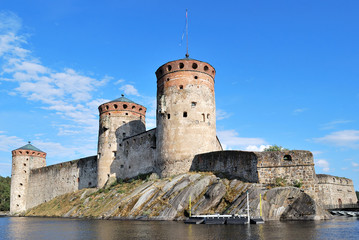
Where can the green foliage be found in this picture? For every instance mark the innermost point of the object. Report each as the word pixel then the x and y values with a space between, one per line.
pixel 5 193
pixel 280 182
pixel 275 148
pixel 298 183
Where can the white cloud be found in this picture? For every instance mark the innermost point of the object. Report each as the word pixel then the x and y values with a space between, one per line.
pixel 345 138
pixel 257 148
pixel 119 81
pixel 324 164
pixel 334 124
pixel 316 153
pixel 230 140
pixel 129 90
pixel 298 111
pixel 9 143
pixel 221 114
pixel 354 164
pixel 68 92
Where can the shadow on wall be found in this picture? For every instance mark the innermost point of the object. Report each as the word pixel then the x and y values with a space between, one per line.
pixel 228 164
pixel 125 131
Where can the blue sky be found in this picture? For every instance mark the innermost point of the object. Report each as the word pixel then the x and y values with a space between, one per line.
pixel 287 72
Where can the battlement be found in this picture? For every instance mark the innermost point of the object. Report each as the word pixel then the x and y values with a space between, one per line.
pixel 21 152
pixel 122 108
pixel 329 179
pixel 186 64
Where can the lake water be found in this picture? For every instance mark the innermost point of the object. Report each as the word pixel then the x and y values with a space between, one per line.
pixel 59 228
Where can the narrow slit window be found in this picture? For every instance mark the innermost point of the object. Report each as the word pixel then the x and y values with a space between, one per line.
pixel 203 117
pixel 168 116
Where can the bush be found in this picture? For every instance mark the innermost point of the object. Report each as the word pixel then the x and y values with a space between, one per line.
pixel 5 193
pixel 280 182
pixel 298 183
pixel 275 148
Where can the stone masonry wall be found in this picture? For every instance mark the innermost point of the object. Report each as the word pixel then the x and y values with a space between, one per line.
pixel 233 164
pixel 261 167
pixel 335 190
pixel 51 181
pixel 290 166
pixel 136 155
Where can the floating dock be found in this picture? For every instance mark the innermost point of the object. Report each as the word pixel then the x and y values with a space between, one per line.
pixel 222 219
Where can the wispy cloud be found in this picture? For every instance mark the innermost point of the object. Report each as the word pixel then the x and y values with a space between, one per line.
pixel 345 138
pixel 334 124
pixel 257 148
pixel 221 114
pixel 69 93
pixel 9 143
pixel 299 111
pixel 230 140
pixel 324 164
pixel 354 164
pixel 130 90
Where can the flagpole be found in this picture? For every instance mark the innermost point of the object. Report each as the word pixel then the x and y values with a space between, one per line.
pixel 187 55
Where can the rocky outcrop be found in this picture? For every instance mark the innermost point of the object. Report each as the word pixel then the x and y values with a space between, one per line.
pixel 169 199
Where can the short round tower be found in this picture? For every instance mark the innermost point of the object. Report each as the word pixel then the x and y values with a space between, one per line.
pixel 186 114
pixel 23 160
pixel 119 119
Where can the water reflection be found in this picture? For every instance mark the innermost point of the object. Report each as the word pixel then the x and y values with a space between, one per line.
pixel 56 228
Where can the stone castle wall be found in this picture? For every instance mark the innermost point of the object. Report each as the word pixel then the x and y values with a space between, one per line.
pixel 334 190
pixel 136 155
pixel 263 167
pixel 291 166
pixel 51 181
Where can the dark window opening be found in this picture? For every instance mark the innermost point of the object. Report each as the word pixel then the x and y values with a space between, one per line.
pixel 19 196
pixel 25 164
pixel 106 107
pixel 287 158
pixel 203 117
pixel 140 109
pixel 115 106
pixel 114 153
pixel 194 65
pixel 205 68
pixel 184 114
pixel 133 107
pixel 193 104
pixel 181 65
pixel 122 166
pixel 160 71
pixel 168 79
pixel 181 87
pixel 129 167
pixel 208 116
pixel 195 77
pixel 169 67
pixel 20 184
pixel 90 183
pixel 124 106
pixel 168 116
pixel 126 113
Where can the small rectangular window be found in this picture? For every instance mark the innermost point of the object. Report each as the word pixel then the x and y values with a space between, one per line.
pixel 114 153
pixel 168 116
pixel 193 104
pixel 184 114
pixel 124 134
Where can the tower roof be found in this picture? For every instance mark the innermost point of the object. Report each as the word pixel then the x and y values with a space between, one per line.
pixel 123 99
pixel 31 147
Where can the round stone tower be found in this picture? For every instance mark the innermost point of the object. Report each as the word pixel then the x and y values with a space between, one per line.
pixel 23 160
pixel 186 114
pixel 119 119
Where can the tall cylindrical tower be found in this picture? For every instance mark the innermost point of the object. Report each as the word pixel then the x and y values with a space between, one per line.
pixel 186 114
pixel 119 118
pixel 23 160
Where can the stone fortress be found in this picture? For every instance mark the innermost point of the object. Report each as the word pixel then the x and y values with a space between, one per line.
pixel 184 140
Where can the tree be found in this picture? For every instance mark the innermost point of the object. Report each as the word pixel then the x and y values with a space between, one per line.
pixel 275 148
pixel 5 193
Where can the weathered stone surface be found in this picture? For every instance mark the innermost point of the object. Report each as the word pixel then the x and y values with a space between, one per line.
pixel 209 195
